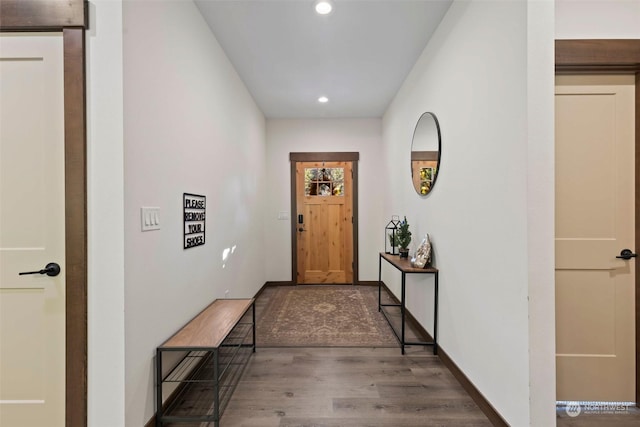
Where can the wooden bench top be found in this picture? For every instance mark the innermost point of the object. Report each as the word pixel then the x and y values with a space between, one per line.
pixel 211 326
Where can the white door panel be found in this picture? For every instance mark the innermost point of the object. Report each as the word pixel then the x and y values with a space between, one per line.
pixel 595 326
pixel 32 230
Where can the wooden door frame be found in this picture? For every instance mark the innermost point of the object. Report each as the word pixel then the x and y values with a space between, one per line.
pixel 615 56
pixel 352 157
pixel 71 18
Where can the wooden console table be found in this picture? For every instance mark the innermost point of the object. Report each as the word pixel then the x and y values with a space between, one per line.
pixel 404 265
pixel 212 351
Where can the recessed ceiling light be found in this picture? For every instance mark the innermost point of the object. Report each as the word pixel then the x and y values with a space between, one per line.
pixel 323 99
pixel 323 7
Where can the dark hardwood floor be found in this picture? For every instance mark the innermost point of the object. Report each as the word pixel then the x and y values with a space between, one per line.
pixel 363 387
pixel 348 387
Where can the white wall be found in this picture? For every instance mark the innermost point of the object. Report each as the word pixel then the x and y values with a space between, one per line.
pixel 597 19
pixel 324 135
pixel 474 75
pixel 105 194
pixel 189 126
pixel 541 212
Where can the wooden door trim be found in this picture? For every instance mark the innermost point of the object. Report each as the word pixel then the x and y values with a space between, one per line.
pixel 294 158
pixel 75 226
pixel 43 15
pixel 325 157
pixel 598 56
pixel 69 17
pixel 621 56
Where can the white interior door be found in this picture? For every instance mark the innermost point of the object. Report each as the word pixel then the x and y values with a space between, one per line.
pixel 32 231
pixel 595 325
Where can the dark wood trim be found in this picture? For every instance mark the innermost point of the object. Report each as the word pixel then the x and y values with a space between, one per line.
pixel 354 201
pixel 367 283
pixel 76 226
pixel 294 158
pixel 270 284
pixel 261 290
pixel 620 56
pixel 70 17
pixel 637 237
pixel 325 157
pixel 42 15
pixel 598 56
pixel 278 283
pixel 294 226
pixel 484 405
pixel 425 155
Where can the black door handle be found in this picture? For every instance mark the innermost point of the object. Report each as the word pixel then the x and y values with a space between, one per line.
pixel 300 229
pixel 626 254
pixel 51 269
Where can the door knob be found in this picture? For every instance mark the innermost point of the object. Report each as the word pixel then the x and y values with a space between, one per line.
pixel 51 269
pixel 300 229
pixel 626 254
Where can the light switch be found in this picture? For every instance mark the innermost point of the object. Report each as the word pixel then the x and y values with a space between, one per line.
pixel 150 218
pixel 282 215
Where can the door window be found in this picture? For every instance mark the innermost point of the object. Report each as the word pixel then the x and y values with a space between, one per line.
pixel 324 182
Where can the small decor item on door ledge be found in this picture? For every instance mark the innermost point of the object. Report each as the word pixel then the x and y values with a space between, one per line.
pixel 423 254
pixel 403 236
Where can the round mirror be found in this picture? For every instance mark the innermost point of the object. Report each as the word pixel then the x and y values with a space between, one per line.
pixel 425 153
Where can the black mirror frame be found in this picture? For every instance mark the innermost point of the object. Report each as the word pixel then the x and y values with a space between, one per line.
pixel 433 181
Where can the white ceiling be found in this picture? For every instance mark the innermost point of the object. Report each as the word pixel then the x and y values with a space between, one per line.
pixel 288 56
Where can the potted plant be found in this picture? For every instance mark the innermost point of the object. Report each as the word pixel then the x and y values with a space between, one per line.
pixel 403 237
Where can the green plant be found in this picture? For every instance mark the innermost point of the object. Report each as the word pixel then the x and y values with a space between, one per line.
pixel 403 236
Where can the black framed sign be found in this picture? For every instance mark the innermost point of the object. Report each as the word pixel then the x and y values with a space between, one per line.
pixel 194 207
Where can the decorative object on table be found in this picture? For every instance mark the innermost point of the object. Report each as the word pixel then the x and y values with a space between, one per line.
pixel 425 153
pixel 423 254
pixel 403 236
pixel 390 236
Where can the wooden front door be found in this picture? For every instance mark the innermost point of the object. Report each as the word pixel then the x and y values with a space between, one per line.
pixel 324 222
pixel 595 333
pixel 32 231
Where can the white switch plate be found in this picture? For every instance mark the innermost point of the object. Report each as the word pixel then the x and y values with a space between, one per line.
pixel 282 215
pixel 150 218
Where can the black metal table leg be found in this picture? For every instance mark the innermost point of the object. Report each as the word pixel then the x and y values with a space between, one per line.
pixel 216 388
pixel 158 388
pixel 253 306
pixel 402 310
pixel 379 282
pixel 435 316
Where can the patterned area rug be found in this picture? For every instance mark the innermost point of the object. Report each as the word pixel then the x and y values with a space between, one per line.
pixel 324 316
